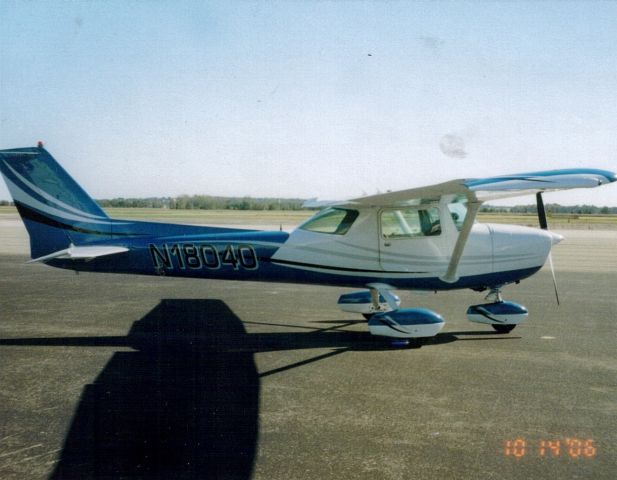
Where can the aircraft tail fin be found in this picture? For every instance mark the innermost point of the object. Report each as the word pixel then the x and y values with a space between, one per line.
pixel 57 212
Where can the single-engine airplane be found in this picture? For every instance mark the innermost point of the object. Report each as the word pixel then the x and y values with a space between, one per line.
pixel 417 239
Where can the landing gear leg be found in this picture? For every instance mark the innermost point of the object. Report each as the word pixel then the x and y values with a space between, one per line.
pixel 494 295
pixel 375 300
pixel 375 305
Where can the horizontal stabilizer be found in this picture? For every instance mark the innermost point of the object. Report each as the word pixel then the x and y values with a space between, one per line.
pixel 81 253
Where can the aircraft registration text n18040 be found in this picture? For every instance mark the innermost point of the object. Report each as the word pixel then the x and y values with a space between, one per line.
pixel 203 256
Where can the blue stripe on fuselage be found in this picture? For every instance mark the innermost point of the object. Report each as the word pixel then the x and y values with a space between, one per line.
pixel 140 260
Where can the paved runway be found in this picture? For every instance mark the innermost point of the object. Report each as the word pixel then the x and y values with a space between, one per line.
pixel 109 376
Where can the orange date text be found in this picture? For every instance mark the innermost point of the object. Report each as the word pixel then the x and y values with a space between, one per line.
pixel 569 447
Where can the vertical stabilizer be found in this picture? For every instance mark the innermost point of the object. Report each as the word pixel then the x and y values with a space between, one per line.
pixel 54 208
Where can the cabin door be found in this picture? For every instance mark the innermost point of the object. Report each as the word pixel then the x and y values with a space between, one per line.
pixel 411 240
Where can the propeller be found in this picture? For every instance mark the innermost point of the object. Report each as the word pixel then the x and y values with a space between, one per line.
pixel 544 226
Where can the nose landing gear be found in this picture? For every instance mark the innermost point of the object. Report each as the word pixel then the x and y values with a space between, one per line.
pixel 502 315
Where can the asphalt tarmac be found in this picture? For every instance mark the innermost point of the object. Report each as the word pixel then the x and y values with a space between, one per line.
pixel 110 376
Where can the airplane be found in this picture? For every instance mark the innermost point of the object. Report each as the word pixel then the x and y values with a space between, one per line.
pixel 416 239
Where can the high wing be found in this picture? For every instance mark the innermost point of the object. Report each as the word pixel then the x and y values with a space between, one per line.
pixel 394 199
pixel 479 191
pixel 485 189
pixel 492 188
pixel 532 183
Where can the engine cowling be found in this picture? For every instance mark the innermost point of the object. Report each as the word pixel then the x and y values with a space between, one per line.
pixel 406 323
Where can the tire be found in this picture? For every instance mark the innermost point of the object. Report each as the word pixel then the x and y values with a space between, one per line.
pixel 503 328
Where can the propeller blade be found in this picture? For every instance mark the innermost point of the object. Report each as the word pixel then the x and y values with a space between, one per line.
pixel 550 262
pixel 541 211
pixel 544 226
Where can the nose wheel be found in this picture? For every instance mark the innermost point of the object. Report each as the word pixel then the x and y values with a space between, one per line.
pixel 495 297
pixel 503 328
pixel 500 314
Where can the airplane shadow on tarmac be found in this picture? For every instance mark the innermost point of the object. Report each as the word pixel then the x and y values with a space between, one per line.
pixel 181 406
pixel 184 404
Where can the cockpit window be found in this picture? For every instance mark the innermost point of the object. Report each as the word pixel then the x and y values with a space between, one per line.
pixel 410 222
pixel 458 211
pixel 335 221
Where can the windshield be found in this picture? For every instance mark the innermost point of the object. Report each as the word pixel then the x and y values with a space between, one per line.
pixel 335 221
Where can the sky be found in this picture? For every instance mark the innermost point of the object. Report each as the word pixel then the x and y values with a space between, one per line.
pixel 309 99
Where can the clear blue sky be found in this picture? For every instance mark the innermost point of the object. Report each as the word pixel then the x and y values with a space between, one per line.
pixel 309 99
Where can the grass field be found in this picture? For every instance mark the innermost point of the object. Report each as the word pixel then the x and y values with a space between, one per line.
pixel 291 218
pixel 228 217
pixel 564 221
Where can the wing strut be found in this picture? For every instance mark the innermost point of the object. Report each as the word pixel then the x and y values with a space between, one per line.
pixel 472 210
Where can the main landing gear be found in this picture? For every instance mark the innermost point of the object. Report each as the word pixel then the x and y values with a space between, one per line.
pixel 381 308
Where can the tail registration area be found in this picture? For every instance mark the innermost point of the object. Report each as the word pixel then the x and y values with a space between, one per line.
pixel 203 256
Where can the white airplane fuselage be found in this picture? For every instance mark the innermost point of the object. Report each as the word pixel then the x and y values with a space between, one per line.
pixel 363 251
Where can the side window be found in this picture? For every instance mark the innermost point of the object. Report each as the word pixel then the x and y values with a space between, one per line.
pixel 335 221
pixel 406 223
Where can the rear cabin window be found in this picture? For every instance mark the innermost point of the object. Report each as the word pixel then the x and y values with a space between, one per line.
pixel 412 222
pixel 336 221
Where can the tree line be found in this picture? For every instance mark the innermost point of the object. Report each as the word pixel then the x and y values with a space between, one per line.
pixel 205 202
pixel 553 208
